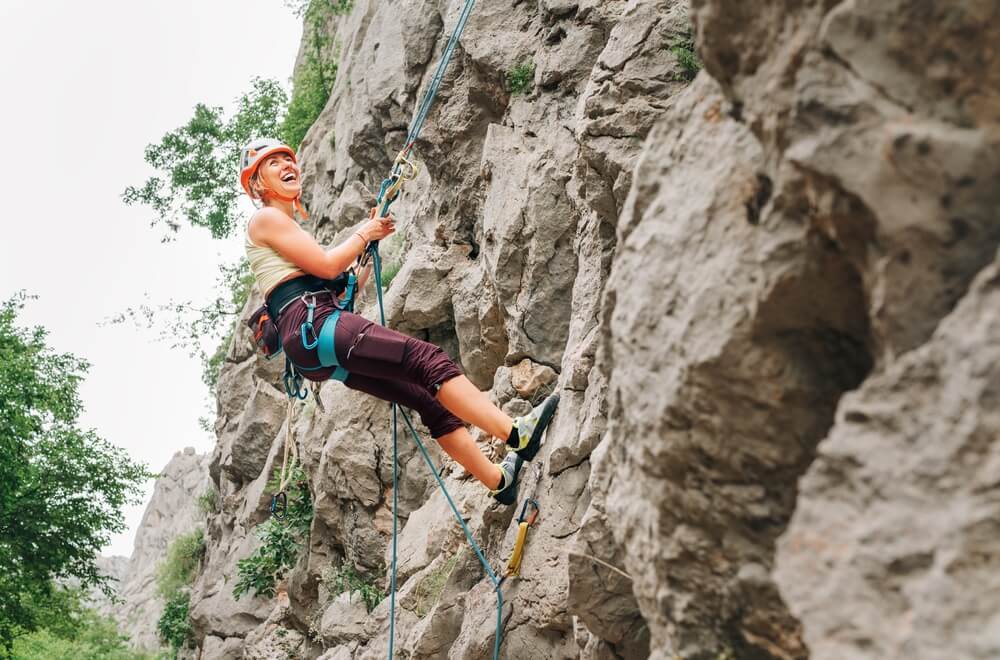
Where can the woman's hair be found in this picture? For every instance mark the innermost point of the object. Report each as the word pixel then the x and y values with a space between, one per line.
pixel 256 186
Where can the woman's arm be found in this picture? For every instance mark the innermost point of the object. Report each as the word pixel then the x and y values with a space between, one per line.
pixel 273 228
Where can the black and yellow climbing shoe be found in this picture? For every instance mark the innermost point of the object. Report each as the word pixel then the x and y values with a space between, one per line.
pixel 526 438
pixel 506 492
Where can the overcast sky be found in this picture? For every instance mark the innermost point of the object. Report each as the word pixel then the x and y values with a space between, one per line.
pixel 85 86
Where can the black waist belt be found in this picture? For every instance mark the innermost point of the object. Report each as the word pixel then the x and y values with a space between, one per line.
pixel 287 292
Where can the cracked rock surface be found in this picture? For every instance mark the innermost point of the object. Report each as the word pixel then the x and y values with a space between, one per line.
pixel 767 296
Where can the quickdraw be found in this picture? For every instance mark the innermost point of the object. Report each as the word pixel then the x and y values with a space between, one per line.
pixel 523 523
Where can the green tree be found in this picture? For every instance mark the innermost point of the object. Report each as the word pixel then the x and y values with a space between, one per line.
pixel 198 163
pixel 62 488
pixel 85 635
pixel 174 626
pixel 174 577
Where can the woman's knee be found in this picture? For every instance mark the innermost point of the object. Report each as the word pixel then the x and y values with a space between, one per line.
pixel 433 365
pixel 440 422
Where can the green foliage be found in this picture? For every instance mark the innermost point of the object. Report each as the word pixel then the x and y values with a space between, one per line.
pixel 345 577
pixel 174 627
pixel 429 590
pixel 301 7
pixel 174 577
pixel 92 638
pixel 266 566
pixel 59 610
pixel 521 78
pixel 281 541
pixel 208 502
pixel 62 488
pixel 197 165
pixel 316 74
pixel 684 51
pixel 180 567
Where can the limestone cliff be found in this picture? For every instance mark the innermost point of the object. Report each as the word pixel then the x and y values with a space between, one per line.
pixel 172 511
pixel 769 299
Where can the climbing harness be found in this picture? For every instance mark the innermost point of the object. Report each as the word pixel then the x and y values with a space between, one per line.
pixel 293 380
pixel 523 523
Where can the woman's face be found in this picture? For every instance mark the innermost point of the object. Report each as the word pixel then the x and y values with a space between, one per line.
pixel 280 174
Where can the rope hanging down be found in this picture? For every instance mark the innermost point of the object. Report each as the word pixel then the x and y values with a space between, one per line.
pixel 403 170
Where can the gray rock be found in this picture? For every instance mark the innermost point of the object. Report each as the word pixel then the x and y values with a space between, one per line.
pixel 172 511
pixel 702 271
pixel 217 648
pixel 894 542
pixel 344 619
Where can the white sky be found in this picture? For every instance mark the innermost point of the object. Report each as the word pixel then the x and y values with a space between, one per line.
pixel 85 86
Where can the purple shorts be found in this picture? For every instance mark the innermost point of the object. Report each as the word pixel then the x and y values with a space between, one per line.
pixel 382 362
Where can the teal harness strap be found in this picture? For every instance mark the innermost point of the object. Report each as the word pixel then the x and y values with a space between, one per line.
pixel 326 350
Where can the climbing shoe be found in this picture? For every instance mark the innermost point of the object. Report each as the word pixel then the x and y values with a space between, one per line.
pixel 506 492
pixel 531 427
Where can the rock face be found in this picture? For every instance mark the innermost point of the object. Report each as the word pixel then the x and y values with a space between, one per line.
pixel 172 511
pixel 766 297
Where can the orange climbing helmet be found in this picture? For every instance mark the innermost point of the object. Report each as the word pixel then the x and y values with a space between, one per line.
pixel 253 154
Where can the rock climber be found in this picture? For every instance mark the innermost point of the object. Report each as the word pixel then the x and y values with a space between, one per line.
pixel 293 270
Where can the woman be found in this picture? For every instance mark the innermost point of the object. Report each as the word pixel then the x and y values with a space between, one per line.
pixel 294 272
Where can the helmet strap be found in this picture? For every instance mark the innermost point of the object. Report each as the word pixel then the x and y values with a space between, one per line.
pixel 296 201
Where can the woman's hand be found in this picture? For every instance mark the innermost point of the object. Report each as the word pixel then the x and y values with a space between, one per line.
pixel 378 228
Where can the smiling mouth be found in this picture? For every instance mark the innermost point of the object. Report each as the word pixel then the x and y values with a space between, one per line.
pixel 288 178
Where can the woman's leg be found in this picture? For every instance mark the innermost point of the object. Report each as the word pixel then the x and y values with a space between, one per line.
pixel 378 352
pixel 472 406
pixel 447 429
pixel 459 445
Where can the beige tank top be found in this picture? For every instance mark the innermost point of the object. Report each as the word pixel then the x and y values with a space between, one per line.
pixel 268 267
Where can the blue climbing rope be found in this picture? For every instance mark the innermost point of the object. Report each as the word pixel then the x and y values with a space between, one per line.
pixel 377 269
pixel 402 171
pixel 428 101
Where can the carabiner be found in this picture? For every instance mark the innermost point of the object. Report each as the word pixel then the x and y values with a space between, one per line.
pixel 307 327
pixel 279 505
pixel 534 513
pixel 292 380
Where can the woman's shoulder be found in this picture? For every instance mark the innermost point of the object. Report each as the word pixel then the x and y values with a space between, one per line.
pixel 264 220
pixel 268 215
